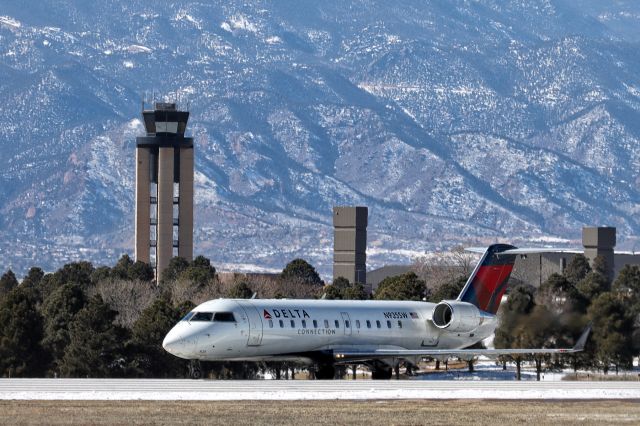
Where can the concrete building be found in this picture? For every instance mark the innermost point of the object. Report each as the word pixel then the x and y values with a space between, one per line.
pixel 164 188
pixel 600 241
pixel 350 243
pixel 596 241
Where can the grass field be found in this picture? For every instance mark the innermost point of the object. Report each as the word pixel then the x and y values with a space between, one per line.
pixel 277 413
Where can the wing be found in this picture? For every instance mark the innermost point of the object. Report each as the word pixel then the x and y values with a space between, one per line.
pixel 462 353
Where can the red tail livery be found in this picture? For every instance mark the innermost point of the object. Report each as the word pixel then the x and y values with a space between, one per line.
pixel 486 286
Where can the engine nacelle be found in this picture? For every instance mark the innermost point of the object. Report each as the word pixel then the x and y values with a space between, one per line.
pixel 458 317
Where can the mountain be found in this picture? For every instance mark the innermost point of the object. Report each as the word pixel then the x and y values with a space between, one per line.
pixel 454 121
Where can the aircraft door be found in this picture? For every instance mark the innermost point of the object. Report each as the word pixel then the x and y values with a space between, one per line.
pixel 347 323
pixel 431 337
pixel 255 323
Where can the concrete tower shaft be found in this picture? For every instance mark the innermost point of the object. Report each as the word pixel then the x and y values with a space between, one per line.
pixel 350 243
pixel 164 188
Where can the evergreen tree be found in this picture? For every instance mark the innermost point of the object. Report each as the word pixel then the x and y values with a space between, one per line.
pixel 176 266
pixel 577 269
pixel 355 291
pixel 559 294
pixel 612 331
pixel 627 286
pixel 77 272
pixel 402 287
pixel 148 332
pixel 8 282
pixel 121 269
pixel 449 290
pixel 509 333
pixel 141 271
pixel 240 290
pixel 341 283
pixel 96 343
pixel 592 286
pixel 199 272
pixel 300 270
pixel 600 265
pixel 33 278
pixel 59 311
pixel 331 292
pixel 21 353
pixel 101 273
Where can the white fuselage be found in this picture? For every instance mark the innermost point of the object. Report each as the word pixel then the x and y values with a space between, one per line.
pixel 281 329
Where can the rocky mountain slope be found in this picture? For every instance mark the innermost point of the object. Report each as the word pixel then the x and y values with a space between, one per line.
pixel 454 121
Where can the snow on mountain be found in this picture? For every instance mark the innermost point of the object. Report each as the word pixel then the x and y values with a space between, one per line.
pixel 455 122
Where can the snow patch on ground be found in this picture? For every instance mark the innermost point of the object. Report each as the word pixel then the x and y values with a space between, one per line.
pixel 136 48
pixel 239 22
pixel 9 21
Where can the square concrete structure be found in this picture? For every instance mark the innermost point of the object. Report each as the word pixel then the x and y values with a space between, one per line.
pixel 600 241
pixel 164 188
pixel 350 243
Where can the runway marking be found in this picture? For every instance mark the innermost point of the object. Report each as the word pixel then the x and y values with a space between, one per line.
pixel 225 390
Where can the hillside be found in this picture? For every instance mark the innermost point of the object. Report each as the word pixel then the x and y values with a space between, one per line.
pixel 455 122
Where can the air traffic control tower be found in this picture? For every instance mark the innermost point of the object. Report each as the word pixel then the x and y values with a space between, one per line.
pixel 164 188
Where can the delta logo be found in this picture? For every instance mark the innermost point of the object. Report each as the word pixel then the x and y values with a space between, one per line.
pixel 285 313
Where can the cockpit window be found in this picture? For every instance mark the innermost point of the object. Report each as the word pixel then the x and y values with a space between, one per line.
pixel 202 316
pixel 224 317
pixel 187 317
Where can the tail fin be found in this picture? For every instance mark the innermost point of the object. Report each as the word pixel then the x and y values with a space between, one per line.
pixel 488 282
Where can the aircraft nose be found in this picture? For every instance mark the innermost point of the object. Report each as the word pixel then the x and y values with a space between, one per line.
pixel 172 342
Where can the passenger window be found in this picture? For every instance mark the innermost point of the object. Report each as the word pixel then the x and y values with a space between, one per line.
pixel 368 324
pixel 315 324
pixel 293 324
pixel 399 324
pixel 304 324
pixel 224 317
pixel 357 323
pixel 187 317
pixel 337 324
pixel 378 324
pixel 388 324
pixel 281 324
pixel 346 324
pixel 326 323
pixel 270 323
pixel 202 316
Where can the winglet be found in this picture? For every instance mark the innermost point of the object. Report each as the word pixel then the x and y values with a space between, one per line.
pixel 582 340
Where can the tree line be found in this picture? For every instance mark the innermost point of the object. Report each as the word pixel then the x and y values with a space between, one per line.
pixel 86 321
pixel 83 321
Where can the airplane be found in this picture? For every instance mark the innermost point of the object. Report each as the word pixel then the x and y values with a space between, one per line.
pixel 328 333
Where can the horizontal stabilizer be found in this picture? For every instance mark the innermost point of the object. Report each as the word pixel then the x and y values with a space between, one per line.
pixel 542 250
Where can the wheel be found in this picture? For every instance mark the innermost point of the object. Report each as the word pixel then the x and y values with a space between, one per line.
pixel 195 371
pixel 325 372
pixel 381 374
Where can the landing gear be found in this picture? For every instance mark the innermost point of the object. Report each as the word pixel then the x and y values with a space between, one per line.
pixel 325 372
pixel 381 373
pixel 195 369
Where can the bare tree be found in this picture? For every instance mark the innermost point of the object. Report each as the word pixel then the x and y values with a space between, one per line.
pixel 439 268
pixel 128 298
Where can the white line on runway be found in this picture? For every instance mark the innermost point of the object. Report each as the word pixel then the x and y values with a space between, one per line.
pixel 155 389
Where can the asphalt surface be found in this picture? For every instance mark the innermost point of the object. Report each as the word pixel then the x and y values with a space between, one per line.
pixel 154 389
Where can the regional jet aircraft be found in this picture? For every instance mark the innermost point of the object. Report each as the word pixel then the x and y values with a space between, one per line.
pixel 326 333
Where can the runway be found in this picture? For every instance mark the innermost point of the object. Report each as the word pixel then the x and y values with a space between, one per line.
pixel 229 390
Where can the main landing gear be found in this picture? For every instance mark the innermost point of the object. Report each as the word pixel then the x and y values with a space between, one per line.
pixel 325 372
pixel 381 373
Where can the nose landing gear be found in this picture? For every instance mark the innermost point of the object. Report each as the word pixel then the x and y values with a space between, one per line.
pixel 195 369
